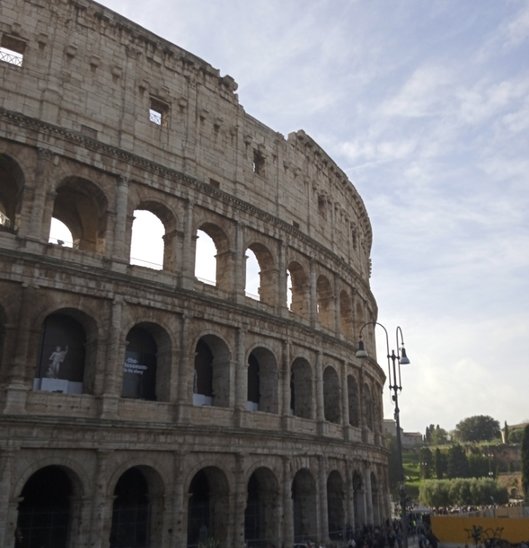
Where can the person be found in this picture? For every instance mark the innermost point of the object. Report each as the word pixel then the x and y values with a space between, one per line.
pixel 56 358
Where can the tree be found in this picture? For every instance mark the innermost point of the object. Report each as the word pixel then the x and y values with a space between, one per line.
pixel 478 428
pixel 525 462
pixel 435 435
pixel 440 464
pixel 457 466
pixel 426 462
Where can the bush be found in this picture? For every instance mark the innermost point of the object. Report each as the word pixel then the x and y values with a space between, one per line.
pixel 462 492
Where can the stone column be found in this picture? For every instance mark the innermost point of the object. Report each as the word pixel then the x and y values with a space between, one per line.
pixel 38 223
pixel 318 384
pixel 285 382
pixel 21 373
pixel 186 368
pixel 288 509
pixel 180 502
pixel 188 248
pixel 8 508
pixel 281 302
pixel 349 498
pixel 368 495
pixel 323 525
pixel 102 502
pixel 313 297
pixel 241 376
pixel 114 363
pixel 119 248
pixel 345 400
pixel 239 265
pixel 240 497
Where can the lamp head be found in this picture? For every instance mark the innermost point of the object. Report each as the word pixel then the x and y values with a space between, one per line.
pixel 360 350
pixel 404 360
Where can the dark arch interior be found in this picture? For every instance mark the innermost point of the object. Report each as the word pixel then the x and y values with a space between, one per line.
pixel 44 512
pixel 131 511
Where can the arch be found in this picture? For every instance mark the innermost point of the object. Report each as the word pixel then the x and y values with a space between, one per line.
pixel 304 506
pixel 66 359
pixel 325 302
pixel 331 395
pixel 375 498
pixel 261 515
pixel 138 496
pixel 261 273
pixel 262 381
pixel 212 257
pixel 147 240
pixel 208 507
pixel 358 500
pixel 301 391
pixel 147 364
pixel 335 506
pixel 82 206
pixel 45 510
pixel 346 314
pixel 211 380
pixel 298 292
pixel 352 401
pixel 11 190
pixel 368 410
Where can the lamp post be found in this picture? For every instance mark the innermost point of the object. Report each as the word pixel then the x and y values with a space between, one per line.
pixel 395 360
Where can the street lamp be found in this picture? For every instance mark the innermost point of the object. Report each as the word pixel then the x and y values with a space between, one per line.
pixel 395 360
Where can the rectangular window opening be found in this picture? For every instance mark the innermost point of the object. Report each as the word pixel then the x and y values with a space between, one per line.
pixel 158 112
pixel 258 162
pixel 12 50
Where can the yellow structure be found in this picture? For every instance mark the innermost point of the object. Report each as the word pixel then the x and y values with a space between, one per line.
pixel 464 530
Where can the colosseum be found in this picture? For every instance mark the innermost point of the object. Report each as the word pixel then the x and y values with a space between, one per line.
pixel 144 404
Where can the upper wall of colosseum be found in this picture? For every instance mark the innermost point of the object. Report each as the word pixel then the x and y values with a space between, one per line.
pixel 90 70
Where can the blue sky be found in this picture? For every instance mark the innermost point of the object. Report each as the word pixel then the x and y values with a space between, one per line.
pixel 425 106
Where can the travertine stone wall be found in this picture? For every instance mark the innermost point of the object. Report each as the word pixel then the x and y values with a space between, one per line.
pixel 79 86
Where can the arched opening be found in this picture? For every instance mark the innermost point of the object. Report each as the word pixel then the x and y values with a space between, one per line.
pixel 211 377
pixel 304 506
pixel 297 290
pixel 331 395
pixel 260 517
pixel 358 500
pixel 335 506
pixel 346 314
pixel 11 189
pixel 208 508
pixel 213 261
pixel 325 302
pixel 205 258
pixel 60 234
pixel 252 286
pixel 262 381
pixel 63 354
pixel 261 274
pixel 368 407
pixel 140 367
pixel 82 207
pixel 131 511
pixel 147 240
pixel 352 399
pixel 301 389
pixel 44 513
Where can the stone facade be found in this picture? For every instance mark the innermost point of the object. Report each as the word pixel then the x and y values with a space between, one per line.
pixel 144 407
